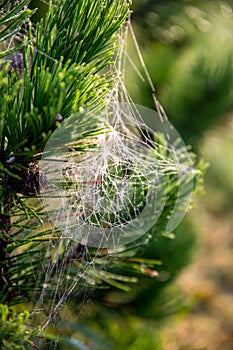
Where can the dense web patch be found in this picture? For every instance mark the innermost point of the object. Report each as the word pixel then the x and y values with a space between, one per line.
pixel 111 194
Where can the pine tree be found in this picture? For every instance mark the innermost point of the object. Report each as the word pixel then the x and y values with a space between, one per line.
pixel 59 75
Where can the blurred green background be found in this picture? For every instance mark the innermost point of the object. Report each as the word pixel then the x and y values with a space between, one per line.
pixel 188 51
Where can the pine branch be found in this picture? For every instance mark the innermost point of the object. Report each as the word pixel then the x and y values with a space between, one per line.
pixel 58 83
pixel 13 14
pixel 81 32
pixel 54 75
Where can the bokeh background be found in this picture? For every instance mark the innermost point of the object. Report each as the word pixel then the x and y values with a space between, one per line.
pixel 187 47
pixel 188 50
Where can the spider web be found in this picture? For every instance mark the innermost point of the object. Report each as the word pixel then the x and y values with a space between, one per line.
pixel 112 194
